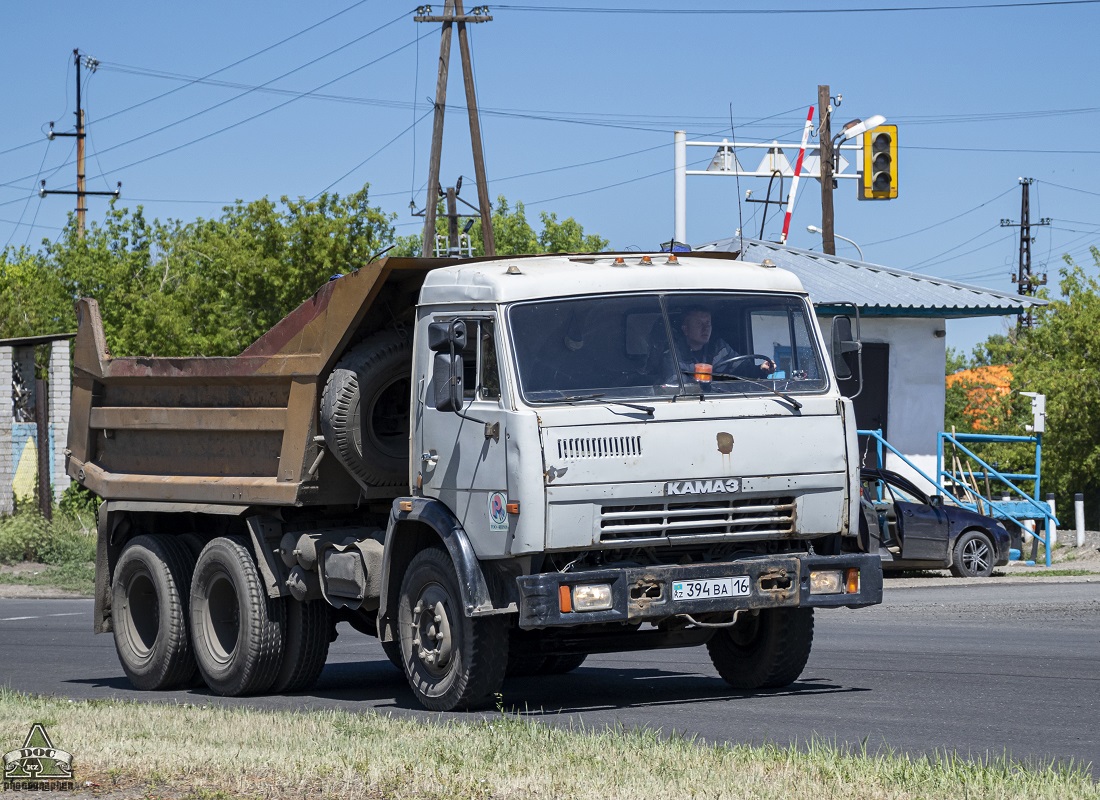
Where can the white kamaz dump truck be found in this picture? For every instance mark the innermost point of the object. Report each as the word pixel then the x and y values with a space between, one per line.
pixel 496 466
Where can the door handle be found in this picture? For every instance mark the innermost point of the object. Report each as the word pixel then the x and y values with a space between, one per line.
pixel 430 458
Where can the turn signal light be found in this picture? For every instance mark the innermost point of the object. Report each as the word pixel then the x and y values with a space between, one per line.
pixel 851 584
pixel 565 600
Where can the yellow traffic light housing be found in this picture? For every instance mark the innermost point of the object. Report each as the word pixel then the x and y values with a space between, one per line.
pixel 879 178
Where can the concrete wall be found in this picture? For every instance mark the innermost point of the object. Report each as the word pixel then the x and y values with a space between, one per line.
pixel 918 354
pixel 16 433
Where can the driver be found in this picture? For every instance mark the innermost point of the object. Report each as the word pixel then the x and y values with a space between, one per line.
pixel 697 347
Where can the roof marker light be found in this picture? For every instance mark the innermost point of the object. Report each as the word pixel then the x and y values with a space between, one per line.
pixel 513 270
pixel 672 259
pixel 767 262
pixel 646 261
pixel 619 262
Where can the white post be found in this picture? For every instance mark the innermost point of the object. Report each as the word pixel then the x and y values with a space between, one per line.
pixel 1029 529
pixel 1079 517
pixel 1052 533
pixel 680 188
pixel 7 470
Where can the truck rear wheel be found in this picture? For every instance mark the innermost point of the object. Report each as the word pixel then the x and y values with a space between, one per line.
pixel 306 647
pixel 236 629
pixel 149 605
pixel 372 382
pixel 451 660
pixel 766 650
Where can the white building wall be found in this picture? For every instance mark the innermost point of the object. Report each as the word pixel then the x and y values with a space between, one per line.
pixel 7 470
pixel 918 354
pixel 60 392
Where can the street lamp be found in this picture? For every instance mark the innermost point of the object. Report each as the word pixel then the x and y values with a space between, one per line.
pixel 815 229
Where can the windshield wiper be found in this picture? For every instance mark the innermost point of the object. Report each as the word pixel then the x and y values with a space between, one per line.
pixel 770 390
pixel 636 406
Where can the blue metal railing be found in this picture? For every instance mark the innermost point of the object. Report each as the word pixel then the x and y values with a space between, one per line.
pixel 1029 508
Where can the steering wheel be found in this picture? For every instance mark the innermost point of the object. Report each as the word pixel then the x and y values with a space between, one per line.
pixel 726 364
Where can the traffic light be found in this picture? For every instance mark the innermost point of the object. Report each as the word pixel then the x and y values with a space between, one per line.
pixel 879 178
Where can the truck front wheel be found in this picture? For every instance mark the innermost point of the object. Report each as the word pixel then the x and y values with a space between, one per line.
pixel 149 612
pixel 236 629
pixel 766 650
pixel 451 660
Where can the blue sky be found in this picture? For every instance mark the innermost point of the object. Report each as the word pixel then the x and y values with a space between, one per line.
pixel 579 108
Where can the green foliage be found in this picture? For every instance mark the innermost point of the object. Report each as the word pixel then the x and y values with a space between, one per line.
pixel 27 536
pixel 209 287
pixel 78 501
pixel 514 234
pixel 1059 359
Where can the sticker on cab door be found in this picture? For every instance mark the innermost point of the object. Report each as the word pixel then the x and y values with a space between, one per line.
pixel 498 513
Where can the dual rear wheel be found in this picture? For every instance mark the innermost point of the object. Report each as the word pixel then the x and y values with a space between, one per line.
pixel 177 612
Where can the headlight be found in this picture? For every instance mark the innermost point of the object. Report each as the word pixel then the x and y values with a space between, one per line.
pixel 826 582
pixel 592 597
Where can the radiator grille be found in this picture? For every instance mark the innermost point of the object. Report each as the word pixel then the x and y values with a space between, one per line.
pixel 601 447
pixel 697 523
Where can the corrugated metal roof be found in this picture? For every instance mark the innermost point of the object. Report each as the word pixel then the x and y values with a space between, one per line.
pixel 879 291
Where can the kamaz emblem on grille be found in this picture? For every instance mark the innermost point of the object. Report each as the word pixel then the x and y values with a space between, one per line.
pixel 716 486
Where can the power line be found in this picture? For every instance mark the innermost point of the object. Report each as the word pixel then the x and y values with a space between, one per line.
pixel 945 221
pixel 254 116
pixel 243 94
pixel 788 11
pixel 110 65
pixel 1067 188
pixel 372 155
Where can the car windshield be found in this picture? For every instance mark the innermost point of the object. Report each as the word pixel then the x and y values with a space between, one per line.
pixel 651 345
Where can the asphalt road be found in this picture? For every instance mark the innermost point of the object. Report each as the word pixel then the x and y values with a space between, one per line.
pixel 989 669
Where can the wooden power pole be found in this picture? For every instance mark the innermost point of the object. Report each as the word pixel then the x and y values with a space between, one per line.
pixel 81 192
pixel 454 15
pixel 825 147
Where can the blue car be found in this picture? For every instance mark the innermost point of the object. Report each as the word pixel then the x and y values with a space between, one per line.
pixel 911 530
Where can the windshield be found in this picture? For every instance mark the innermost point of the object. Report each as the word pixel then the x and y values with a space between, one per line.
pixel 649 345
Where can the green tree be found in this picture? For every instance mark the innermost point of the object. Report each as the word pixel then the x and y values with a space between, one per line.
pixel 33 299
pixel 514 235
pixel 1058 359
pixel 209 287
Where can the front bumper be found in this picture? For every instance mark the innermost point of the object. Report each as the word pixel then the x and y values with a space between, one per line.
pixel 643 594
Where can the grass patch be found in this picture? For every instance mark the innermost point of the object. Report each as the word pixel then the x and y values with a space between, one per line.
pixel 212 752
pixel 66 544
pixel 1042 572
pixel 67 577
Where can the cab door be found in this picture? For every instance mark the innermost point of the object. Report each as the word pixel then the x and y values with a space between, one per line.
pixel 462 455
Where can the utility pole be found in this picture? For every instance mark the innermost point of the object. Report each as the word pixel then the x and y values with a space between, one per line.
pixel 825 148
pixel 1026 282
pixel 454 14
pixel 90 64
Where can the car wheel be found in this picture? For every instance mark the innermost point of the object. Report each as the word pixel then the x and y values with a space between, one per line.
pixel 973 556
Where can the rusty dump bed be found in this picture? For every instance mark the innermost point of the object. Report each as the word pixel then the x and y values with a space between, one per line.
pixel 240 430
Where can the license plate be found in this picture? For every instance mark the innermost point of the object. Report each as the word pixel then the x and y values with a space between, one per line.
pixel 710 588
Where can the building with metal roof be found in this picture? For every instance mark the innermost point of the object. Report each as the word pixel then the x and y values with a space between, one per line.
pixel 879 291
pixel 903 328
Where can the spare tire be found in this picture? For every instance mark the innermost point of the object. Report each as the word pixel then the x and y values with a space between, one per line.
pixel 375 376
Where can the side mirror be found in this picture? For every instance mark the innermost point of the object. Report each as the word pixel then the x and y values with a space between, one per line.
pixel 844 341
pixel 447 340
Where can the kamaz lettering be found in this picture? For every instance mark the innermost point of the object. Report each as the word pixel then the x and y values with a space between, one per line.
pixel 716 486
